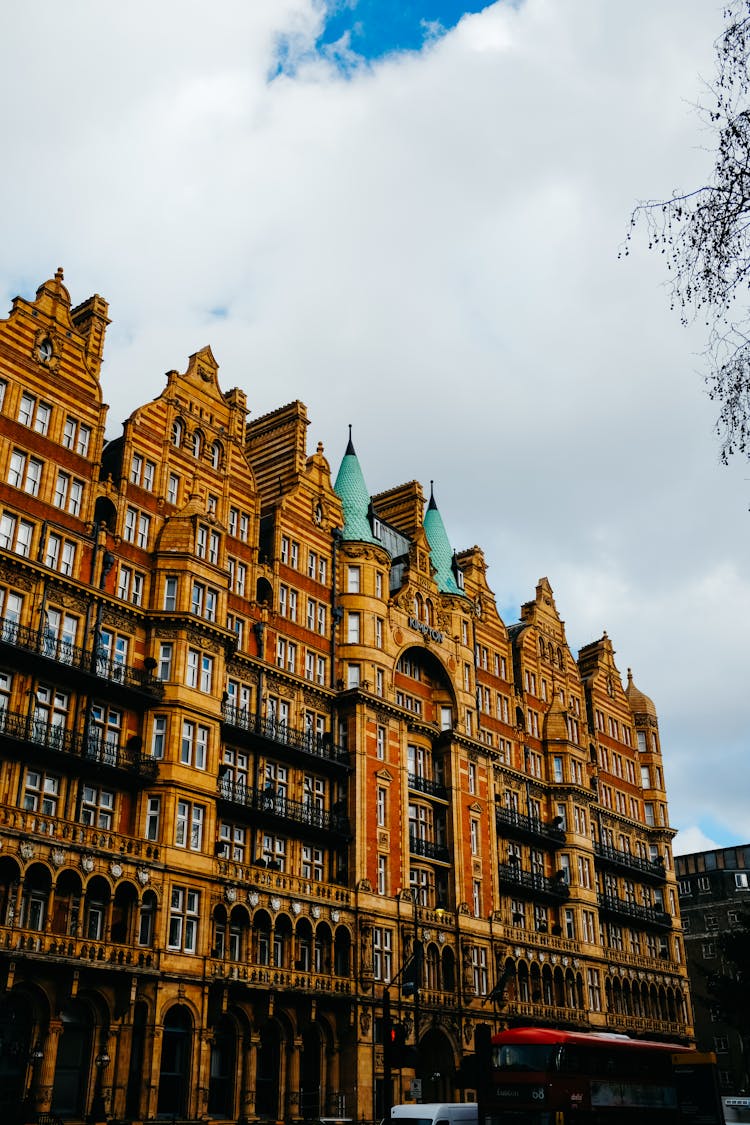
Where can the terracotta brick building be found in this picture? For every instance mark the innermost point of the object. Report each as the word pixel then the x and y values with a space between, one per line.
pixel 262 736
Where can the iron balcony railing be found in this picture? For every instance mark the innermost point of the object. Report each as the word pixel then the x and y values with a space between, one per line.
pixel 429 850
pixel 426 785
pixel 307 741
pixel 277 804
pixel 623 908
pixel 534 883
pixel 43 643
pixel 627 862
pixel 91 747
pixel 513 823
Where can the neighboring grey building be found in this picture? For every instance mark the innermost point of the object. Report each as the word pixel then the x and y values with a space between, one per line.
pixel 714 889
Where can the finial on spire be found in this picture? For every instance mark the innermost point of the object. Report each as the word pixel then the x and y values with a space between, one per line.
pixel 59 273
pixel 432 503
pixel 630 676
pixel 350 445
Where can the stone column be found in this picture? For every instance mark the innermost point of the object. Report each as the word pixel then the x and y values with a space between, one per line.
pixel 44 1076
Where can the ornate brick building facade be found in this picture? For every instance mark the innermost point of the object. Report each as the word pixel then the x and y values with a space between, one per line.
pixel 260 733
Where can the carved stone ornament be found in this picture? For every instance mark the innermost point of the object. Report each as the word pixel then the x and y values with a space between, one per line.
pixel 142 876
pixel 275 903
pixel 441 937
pixel 115 869
pixel 253 898
pixel 315 912
pixel 57 855
pixel 230 894
pixel 335 915
pixel 364 1021
pixel 27 850
pixel 87 863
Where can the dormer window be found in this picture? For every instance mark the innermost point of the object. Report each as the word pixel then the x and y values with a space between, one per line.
pixel 377 528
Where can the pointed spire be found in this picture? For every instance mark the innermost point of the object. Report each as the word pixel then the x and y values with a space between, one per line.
pixel 443 558
pixel 351 489
pixel 432 503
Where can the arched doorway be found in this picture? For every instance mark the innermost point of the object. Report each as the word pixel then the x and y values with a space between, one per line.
pixel 310 1084
pixel 137 1051
pixel 223 1069
pixel 174 1075
pixel 15 1044
pixel 268 1072
pixel 73 1061
pixel 437 1067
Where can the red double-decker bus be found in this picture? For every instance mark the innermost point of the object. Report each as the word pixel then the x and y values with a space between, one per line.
pixel 541 1076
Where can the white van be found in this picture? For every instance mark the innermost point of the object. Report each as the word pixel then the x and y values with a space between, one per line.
pixel 436 1113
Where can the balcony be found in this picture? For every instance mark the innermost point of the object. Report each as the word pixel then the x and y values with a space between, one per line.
pixel 607 856
pixel 556 1015
pixel 291 980
pixel 90 748
pixel 83 838
pixel 275 807
pixel 428 850
pixel 76 950
pixel 426 785
pixel 531 829
pixel 532 884
pixel 640 1025
pixel 648 916
pixel 32 643
pixel 301 742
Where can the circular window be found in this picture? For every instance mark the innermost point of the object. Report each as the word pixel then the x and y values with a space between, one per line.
pixel 45 351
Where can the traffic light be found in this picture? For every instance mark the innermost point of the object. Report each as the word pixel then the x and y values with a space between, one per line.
pixel 413 972
pixel 400 1055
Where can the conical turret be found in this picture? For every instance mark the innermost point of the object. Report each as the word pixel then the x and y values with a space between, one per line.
pixel 351 489
pixel 447 572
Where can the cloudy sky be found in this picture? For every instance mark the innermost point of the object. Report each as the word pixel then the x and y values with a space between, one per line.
pixel 408 213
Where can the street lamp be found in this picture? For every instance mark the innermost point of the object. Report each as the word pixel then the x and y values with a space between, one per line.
pixel 98 1109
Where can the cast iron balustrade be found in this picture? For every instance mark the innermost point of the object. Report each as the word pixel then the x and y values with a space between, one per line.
pixel 426 785
pixel 87 748
pixel 42 643
pixel 283 808
pixel 624 861
pixel 647 915
pixel 533 883
pixel 429 850
pixel 512 823
pixel 306 741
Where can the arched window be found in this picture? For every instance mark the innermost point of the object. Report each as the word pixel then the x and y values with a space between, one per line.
pixel 178 432
pixel 197 443
pixel 216 455
pixel 146 919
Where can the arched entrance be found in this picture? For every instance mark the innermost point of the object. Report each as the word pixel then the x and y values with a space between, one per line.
pixel 73 1061
pixel 135 1071
pixel 15 1044
pixel 223 1069
pixel 174 1075
pixel 268 1071
pixel 437 1067
pixel 310 1084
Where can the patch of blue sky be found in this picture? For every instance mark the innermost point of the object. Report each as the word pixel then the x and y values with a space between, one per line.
pixel 719 833
pixel 354 32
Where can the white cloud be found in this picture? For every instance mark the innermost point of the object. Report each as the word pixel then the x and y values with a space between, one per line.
pixel 692 839
pixel 428 249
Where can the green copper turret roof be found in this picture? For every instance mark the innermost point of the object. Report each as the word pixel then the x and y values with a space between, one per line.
pixel 351 489
pixel 440 548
